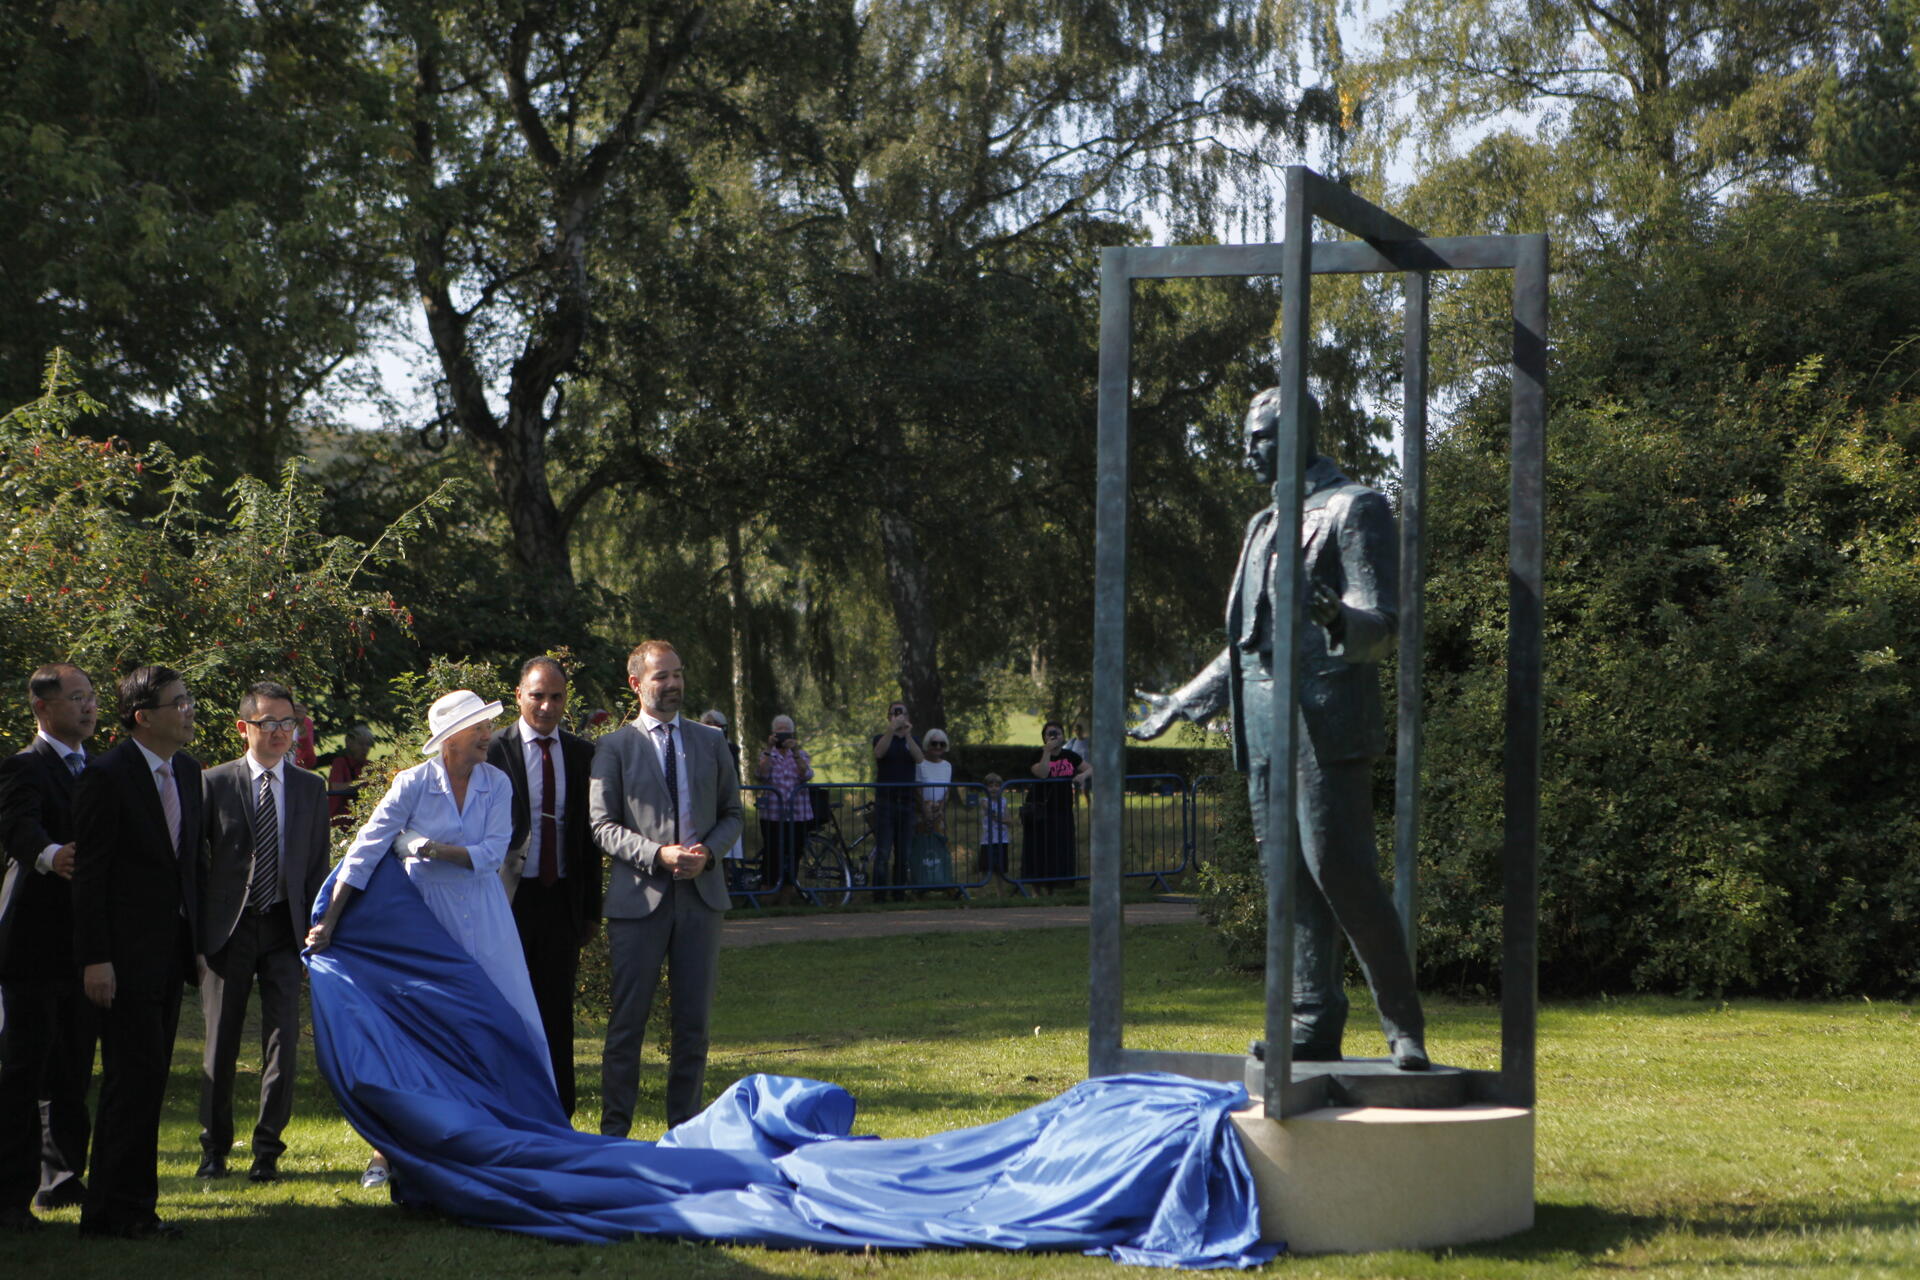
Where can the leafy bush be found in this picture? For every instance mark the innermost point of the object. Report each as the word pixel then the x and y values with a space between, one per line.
pixel 109 561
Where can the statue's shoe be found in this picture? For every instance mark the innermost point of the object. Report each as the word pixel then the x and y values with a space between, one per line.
pixel 1409 1053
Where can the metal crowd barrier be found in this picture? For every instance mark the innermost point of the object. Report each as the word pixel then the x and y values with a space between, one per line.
pixel 1045 840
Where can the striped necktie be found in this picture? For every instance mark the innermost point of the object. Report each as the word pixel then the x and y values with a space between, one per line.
pixel 170 805
pixel 266 850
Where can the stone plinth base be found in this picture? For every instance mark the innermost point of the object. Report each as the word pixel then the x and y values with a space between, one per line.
pixel 1358 1179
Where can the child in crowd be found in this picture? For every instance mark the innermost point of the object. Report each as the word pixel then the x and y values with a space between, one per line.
pixel 993 828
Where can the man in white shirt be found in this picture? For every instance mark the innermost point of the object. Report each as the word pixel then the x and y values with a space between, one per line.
pixel 267 856
pixel 665 798
pixel 136 903
pixel 46 1027
pixel 552 871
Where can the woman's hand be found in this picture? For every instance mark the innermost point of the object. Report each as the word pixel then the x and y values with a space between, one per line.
pixel 320 936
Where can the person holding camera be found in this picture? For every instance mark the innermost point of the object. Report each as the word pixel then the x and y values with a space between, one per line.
pixel 896 761
pixel 786 768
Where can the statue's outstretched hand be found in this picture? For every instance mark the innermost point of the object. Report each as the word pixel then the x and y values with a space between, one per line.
pixel 1162 710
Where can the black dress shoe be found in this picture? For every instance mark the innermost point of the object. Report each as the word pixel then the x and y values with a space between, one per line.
pixel 264 1170
pixel 65 1195
pixel 212 1167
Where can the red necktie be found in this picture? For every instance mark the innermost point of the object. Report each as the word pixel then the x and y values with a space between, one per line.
pixel 549 868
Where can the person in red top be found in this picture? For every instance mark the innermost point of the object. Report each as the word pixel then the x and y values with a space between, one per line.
pixel 305 754
pixel 343 776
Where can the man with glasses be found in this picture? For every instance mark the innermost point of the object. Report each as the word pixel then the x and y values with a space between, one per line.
pixel 136 903
pixel 46 1026
pixel 266 841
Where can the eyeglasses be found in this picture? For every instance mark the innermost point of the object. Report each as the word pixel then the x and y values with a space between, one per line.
pixel 936 743
pixel 273 726
pixel 184 702
pixel 81 699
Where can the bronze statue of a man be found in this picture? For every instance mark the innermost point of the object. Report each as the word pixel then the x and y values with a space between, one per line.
pixel 1352 577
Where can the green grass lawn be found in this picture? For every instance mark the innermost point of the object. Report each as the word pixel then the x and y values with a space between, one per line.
pixel 1676 1138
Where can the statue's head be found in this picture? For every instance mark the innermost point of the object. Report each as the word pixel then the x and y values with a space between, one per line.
pixel 1262 435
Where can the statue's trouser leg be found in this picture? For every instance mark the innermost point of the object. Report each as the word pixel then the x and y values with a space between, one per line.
pixel 1319 954
pixel 1335 808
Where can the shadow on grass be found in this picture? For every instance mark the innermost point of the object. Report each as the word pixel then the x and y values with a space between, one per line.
pixel 266 1237
pixel 1593 1230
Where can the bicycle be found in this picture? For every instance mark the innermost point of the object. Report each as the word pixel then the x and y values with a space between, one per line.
pixel 830 867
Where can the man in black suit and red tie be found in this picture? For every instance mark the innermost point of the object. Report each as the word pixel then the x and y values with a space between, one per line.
pixel 266 841
pixel 552 871
pixel 136 901
pixel 46 1025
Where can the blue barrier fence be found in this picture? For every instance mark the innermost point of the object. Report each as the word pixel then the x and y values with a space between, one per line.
pixel 880 842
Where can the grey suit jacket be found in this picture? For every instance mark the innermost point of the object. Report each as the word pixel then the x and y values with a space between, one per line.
pixel 632 821
pixel 227 852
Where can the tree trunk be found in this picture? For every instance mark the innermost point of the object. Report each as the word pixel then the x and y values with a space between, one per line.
pixel 912 601
pixel 740 638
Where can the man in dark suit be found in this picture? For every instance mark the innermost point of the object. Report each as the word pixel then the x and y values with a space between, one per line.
pixel 665 795
pixel 1352 603
pixel 266 844
pixel 552 871
pixel 46 1025
pixel 136 903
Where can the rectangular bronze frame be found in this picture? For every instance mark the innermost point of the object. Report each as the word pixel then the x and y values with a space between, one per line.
pixel 1386 245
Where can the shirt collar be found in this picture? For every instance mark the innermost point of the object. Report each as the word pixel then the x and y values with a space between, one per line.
pixel 153 761
pixel 648 724
pixel 529 734
pixel 481 779
pixel 255 769
pixel 60 746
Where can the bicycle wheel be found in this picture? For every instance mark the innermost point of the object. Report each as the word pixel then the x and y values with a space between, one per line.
pixel 821 872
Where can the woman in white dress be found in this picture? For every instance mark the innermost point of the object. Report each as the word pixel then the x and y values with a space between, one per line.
pixel 449 820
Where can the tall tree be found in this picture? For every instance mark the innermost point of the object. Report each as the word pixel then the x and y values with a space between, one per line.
pixel 519 123
pixel 946 170
pixel 206 279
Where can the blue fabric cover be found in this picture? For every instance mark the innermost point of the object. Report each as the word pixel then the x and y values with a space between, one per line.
pixel 432 1066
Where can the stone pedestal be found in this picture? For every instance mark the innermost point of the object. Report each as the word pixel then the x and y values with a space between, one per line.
pixel 1359 1179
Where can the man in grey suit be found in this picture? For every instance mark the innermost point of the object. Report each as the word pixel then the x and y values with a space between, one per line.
pixel 265 859
pixel 665 793
pixel 1352 578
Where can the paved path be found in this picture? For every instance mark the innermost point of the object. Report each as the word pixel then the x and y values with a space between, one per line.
pixel 746 931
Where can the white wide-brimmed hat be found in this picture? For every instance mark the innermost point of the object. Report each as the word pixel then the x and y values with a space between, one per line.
pixel 461 709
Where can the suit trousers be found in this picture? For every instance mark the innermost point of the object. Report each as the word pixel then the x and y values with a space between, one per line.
pixel 136 1055
pixel 684 933
pixel 552 947
pixel 46 1064
pixel 262 950
pixel 1337 889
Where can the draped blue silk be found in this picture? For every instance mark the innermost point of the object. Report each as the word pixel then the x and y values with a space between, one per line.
pixel 433 1067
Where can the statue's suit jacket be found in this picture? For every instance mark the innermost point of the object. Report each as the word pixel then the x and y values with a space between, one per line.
pixel 36 911
pixel 632 820
pixel 1351 545
pixel 228 858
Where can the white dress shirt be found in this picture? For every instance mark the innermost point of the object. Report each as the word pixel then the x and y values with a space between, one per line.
pixel 688 833
pixel 536 796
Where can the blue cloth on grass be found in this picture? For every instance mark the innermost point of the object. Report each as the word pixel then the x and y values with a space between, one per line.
pixel 432 1066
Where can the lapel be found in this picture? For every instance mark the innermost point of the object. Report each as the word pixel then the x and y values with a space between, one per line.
pixel 516 754
pixel 51 760
pixel 298 797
